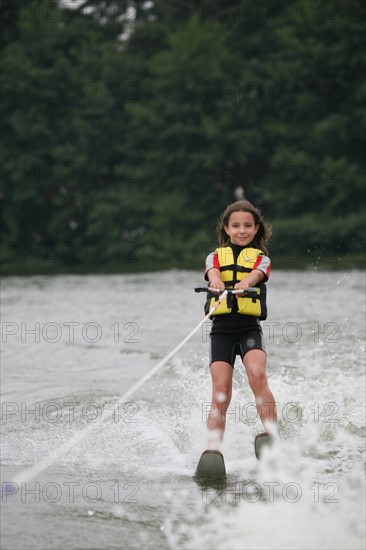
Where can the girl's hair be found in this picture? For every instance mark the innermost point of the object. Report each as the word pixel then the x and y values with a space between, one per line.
pixel 263 233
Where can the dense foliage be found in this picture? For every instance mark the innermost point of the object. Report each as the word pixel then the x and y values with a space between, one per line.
pixel 128 126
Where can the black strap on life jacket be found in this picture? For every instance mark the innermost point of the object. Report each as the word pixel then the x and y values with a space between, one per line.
pixel 234 267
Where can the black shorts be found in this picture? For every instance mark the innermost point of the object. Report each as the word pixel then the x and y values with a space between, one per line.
pixel 226 346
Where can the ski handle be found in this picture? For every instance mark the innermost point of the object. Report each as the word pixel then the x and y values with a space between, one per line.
pixel 249 292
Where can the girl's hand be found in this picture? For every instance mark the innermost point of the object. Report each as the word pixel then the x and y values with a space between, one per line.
pixel 242 285
pixel 214 279
pixel 217 284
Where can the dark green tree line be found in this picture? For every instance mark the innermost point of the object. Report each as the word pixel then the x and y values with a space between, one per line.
pixel 127 126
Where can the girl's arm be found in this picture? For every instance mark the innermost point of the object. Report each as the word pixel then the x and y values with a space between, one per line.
pixel 212 271
pixel 254 277
pixel 260 272
pixel 214 278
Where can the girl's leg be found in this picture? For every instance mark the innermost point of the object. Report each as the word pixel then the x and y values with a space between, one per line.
pixel 222 377
pixel 255 365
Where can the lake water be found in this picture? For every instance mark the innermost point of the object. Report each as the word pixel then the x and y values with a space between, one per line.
pixel 72 345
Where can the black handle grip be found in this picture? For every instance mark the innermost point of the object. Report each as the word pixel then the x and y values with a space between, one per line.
pixel 249 292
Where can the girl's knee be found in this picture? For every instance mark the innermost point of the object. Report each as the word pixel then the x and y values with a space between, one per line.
pixel 257 377
pixel 221 394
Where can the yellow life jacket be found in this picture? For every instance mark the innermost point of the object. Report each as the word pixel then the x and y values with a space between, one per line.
pixel 232 273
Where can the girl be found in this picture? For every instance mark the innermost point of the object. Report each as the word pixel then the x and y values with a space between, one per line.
pixel 240 262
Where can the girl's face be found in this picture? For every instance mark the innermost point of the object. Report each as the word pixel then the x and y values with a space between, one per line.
pixel 241 228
